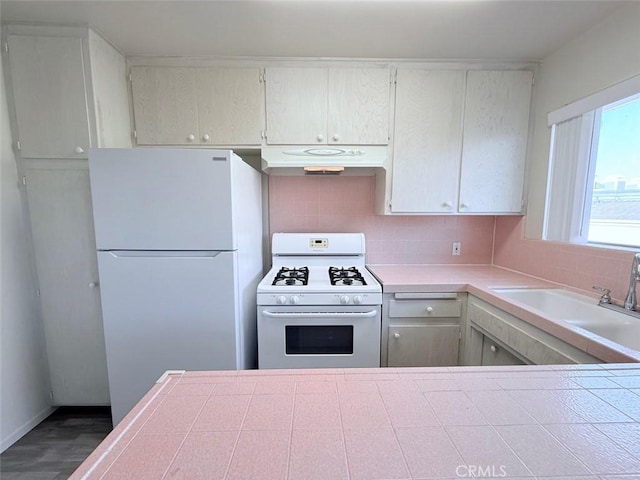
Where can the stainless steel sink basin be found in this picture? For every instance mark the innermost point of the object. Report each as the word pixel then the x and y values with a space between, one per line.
pixel 580 311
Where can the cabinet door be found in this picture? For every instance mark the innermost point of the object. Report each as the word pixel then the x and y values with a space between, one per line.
pixel 358 106
pixel 494 354
pixel 423 346
pixel 165 105
pixel 65 252
pixel 296 105
pixel 427 141
pixel 48 80
pixel 495 141
pixel 230 106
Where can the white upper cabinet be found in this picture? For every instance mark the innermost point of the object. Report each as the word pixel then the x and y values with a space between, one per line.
pixel 297 105
pixel 340 106
pixel 358 106
pixel 49 96
pixel 230 106
pixel 460 141
pixel 165 105
pixel 67 92
pixel 427 141
pixel 496 124
pixel 197 106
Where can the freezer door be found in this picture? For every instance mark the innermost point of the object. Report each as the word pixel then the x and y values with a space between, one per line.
pixel 165 311
pixel 162 199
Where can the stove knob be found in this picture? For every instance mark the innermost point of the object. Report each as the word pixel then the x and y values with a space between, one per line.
pixel 357 299
pixel 281 300
pixel 294 299
pixel 344 299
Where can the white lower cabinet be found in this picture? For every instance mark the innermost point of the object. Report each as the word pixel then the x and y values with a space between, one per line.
pixel 59 202
pixel 487 351
pixel 495 337
pixel 421 330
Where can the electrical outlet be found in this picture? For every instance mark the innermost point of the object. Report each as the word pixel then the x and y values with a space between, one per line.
pixel 455 250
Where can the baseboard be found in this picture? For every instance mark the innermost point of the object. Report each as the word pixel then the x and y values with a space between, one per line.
pixel 25 428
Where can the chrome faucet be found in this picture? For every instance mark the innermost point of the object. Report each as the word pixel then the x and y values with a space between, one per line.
pixel 630 301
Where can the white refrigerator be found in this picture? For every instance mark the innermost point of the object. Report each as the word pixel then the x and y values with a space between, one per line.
pixel 179 239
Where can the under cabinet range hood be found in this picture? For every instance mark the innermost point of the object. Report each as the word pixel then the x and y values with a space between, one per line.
pixel 323 160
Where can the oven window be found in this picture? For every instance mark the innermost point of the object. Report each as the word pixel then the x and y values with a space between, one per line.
pixel 319 339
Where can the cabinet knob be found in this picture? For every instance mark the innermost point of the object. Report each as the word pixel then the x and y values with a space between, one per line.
pixel 93 284
pixel 493 348
pixel 336 137
pixel 446 205
pixel 396 335
pixel 206 137
pixel 463 205
pixel 79 150
pixel 320 137
pixel 191 137
pixel 429 309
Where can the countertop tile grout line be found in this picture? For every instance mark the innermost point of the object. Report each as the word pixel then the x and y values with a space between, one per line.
pixel 344 440
pixel 235 444
pixel 190 429
pixel 393 428
pixel 293 418
pixel 493 427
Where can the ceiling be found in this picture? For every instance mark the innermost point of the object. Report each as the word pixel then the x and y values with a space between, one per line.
pixel 426 29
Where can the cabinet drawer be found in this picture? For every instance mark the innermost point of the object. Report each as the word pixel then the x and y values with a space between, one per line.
pixel 424 308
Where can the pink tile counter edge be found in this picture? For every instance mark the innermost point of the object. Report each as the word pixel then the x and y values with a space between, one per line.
pixel 394 423
pixel 479 280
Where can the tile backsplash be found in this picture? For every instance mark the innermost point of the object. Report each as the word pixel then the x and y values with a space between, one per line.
pixel 346 204
pixel 578 266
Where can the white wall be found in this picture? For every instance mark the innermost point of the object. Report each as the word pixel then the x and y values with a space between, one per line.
pixel 600 57
pixel 24 378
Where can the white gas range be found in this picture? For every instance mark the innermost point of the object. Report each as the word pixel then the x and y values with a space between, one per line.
pixel 318 307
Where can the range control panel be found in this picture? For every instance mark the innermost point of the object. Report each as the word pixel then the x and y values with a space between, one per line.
pixel 318 243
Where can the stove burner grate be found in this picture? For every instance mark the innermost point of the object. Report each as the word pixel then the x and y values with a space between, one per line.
pixel 345 276
pixel 292 276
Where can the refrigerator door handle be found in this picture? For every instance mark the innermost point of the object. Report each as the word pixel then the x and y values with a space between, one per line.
pixel 165 253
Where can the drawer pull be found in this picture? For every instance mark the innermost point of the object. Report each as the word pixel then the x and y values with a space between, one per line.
pixel 396 335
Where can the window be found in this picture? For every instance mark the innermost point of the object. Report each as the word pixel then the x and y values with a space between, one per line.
pixel 614 210
pixel 594 176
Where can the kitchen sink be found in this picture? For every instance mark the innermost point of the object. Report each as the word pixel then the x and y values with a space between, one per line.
pixel 580 311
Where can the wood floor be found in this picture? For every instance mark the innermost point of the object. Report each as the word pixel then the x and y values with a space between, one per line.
pixel 55 448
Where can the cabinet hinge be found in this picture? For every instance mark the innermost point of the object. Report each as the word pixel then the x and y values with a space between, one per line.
pixel 38 292
pixel 459 334
pixel 263 134
pixel 130 78
pixel 264 75
pixel 18 145
pixel 24 180
pixel 6 47
pixel 135 134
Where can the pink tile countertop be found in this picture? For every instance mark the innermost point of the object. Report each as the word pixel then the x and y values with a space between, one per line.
pixel 479 280
pixel 551 422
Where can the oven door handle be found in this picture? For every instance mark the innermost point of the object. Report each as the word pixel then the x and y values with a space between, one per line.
pixel 370 314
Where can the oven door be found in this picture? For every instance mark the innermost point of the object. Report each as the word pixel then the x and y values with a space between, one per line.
pixel 318 337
